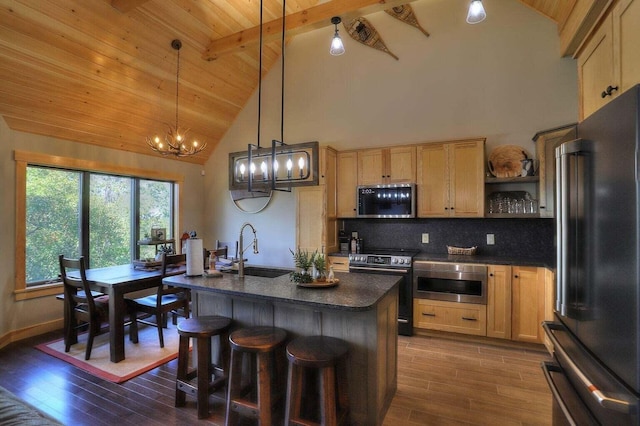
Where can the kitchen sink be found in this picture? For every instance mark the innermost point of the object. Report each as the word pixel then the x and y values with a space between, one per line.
pixel 256 271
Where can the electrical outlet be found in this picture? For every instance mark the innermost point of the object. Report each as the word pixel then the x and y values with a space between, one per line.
pixel 425 238
pixel 491 239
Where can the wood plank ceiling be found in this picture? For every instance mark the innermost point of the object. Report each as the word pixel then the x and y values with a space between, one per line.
pixel 103 72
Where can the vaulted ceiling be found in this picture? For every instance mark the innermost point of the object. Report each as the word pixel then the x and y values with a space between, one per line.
pixel 103 72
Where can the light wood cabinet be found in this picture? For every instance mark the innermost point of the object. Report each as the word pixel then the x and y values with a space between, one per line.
pixel 546 144
pixel 451 179
pixel 387 165
pixel 317 224
pixel 519 298
pixel 499 301
pixel 528 303
pixel 347 165
pixel 626 38
pixel 595 69
pixel 609 62
pixel 467 318
pixel 340 263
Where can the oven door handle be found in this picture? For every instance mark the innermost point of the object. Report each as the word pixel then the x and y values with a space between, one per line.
pixel 360 268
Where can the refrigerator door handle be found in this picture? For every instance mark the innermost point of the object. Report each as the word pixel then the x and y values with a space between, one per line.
pixel 605 401
pixel 547 367
pixel 562 232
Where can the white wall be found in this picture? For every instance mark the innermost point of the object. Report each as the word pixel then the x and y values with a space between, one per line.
pixel 501 79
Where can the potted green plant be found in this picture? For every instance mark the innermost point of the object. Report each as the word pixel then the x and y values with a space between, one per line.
pixel 319 266
pixel 303 261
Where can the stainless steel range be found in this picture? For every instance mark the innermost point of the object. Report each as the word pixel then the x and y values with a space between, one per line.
pixel 391 262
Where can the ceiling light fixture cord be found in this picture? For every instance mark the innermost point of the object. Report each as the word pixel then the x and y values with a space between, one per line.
pixel 284 4
pixel 177 45
pixel 260 77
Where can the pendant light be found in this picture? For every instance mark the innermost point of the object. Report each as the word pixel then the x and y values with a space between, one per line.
pixel 174 141
pixel 337 47
pixel 476 12
pixel 263 165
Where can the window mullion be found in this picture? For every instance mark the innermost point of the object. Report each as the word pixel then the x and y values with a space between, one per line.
pixel 135 218
pixel 84 217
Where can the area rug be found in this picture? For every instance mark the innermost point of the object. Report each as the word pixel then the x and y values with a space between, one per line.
pixel 139 358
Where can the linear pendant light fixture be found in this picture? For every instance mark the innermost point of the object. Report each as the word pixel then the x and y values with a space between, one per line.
pixel 476 12
pixel 337 47
pixel 283 166
pixel 174 141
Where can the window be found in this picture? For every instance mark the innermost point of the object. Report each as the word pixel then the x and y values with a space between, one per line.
pixel 100 214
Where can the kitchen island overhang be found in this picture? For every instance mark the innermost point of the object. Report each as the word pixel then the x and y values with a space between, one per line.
pixel 362 310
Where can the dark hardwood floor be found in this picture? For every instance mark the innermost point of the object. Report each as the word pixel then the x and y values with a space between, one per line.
pixel 440 381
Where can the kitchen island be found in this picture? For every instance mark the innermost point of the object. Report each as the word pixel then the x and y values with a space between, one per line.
pixel 362 310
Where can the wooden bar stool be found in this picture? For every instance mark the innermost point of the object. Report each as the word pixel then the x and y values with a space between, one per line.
pixel 317 359
pixel 210 377
pixel 258 398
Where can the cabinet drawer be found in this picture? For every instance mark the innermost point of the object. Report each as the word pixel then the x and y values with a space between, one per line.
pixel 339 263
pixel 464 318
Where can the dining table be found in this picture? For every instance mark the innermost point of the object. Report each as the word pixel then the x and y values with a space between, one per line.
pixel 116 282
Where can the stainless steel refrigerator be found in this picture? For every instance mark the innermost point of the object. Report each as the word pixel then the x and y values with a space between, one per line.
pixel 595 376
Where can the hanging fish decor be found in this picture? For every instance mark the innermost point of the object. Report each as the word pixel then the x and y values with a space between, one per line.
pixel 363 32
pixel 406 15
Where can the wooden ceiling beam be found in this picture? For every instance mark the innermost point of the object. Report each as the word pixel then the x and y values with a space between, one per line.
pixel 297 23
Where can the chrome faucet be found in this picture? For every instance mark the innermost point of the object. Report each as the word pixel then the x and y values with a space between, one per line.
pixel 243 249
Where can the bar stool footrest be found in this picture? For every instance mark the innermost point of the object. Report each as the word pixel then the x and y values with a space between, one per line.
pixel 245 408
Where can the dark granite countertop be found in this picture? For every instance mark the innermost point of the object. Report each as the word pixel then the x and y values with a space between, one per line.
pixel 355 292
pixel 488 260
pixel 483 259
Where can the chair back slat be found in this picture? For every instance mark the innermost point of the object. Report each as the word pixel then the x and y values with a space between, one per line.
pixel 169 260
pixel 73 284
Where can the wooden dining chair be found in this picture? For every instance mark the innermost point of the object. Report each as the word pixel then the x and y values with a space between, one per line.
pixel 219 252
pixel 81 307
pixel 228 246
pixel 167 299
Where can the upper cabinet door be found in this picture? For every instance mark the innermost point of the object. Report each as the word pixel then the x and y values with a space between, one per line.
pixel 609 63
pixel 466 164
pixel 451 179
pixel 433 180
pixel 387 165
pixel 401 164
pixel 626 38
pixel 371 167
pixel 347 181
pixel 595 70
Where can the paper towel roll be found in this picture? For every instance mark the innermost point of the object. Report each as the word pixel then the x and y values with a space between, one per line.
pixel 195 262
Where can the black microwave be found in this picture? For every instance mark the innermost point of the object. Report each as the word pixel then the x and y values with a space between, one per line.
pixel 387 201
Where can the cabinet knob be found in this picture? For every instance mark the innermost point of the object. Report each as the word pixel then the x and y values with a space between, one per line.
pixel 608 91
pixel 515 276
pixel 490 275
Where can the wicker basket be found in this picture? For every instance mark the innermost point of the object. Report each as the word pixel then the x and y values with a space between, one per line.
pixel 467 251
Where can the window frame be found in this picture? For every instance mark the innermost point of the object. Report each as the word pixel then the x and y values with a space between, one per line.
pixel 24 159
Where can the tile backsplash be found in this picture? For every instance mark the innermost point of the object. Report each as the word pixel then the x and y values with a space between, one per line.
pixel 521 238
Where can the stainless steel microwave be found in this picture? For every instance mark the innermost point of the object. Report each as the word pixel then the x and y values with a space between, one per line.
pixel 387 201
